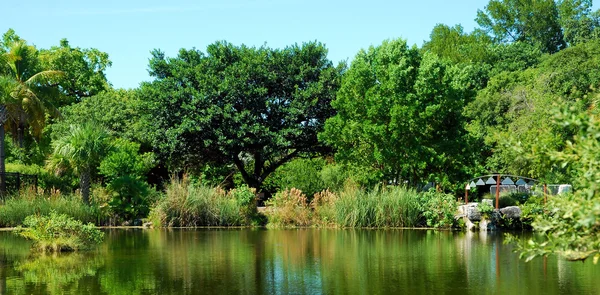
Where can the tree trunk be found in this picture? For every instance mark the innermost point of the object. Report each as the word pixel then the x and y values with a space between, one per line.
pixel 2 164
pixel 84 185
pixel 3 118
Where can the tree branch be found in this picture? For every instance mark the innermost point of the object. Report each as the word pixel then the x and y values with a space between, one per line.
pixel 271 168
pixel 242 168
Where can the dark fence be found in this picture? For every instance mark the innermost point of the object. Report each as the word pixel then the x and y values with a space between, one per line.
pixel 13 182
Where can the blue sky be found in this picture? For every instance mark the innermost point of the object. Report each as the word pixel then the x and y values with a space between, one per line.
pixel 129 29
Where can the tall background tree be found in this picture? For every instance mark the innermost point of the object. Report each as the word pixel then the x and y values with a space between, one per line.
pixel 532 21
pixel 399 113
pixel 255 108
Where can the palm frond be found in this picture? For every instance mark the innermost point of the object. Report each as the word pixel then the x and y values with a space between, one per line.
pixel 45 78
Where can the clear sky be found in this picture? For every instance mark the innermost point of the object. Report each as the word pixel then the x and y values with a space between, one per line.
pixel 129 29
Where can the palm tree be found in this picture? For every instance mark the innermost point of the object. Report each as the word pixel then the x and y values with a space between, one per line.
pixel 24 93
pixel 81 148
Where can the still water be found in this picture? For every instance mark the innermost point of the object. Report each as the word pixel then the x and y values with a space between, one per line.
pixel 304 261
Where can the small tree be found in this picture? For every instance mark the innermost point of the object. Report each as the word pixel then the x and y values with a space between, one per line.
pixel 81 148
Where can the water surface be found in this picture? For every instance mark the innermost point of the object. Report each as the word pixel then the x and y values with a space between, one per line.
pixel 303 261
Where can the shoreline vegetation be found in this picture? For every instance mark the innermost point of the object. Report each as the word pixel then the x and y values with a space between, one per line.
pixel 187 204
pixel 344 145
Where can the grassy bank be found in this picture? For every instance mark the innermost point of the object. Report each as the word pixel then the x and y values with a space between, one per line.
pixel 14 209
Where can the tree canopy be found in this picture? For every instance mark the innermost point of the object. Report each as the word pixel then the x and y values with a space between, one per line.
pixel 256 108
pixel 399 113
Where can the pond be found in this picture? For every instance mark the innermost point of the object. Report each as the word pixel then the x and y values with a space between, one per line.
pixel 302 261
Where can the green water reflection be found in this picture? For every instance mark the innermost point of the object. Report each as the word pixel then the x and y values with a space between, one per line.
pixel 246 261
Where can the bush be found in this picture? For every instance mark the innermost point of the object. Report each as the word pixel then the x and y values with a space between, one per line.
pixel 16 208
pixel 185 204
pixel 130 197
pixel 323 206
pixel 485 209
pixel 59 232
pixel 506 201
pixel 520 197
pixel 439 209
pixel 288 208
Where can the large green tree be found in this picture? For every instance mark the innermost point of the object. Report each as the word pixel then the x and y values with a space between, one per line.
pixel 457 46
pixel 83 68
pixel 25 91
pixel 579 22
pixel 400 113
pixel 254 107
pixel 532 21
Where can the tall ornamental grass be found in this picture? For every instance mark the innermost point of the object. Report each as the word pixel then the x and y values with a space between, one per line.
pixel 350 208
pixel 185 204
pixel 385 207
pixel 288 208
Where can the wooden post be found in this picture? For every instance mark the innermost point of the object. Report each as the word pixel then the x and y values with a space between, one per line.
pixel 466 195
pixel 498 192
pixel 545 193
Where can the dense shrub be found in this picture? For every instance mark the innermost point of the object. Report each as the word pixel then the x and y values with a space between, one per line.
pixel 15 209
pixel 59 232
pixel 323 206
pixel 186 204
pixel 130 197
pixel 124 171
pixel 506 201
pixel 288 208
pixel 439 209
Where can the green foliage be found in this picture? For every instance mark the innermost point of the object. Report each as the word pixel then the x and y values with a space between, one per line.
pixel 504 112
pixel 333 176
pixel 82 148
pixel 452 43
pixel 506 201
pixel 401 113
pixel 439 209
pixel 125 160
pixel 187 204
pixel 130 197
pixel 302 174
pixel 520 197
pixel 388 207
pixel 59 232
pixel 485 209
pixel 125 170
pixel 579 23
pixel 47 181
pixel 534 22
pixel 84 69
pixel 117 111
pixel 14 209
pixel 571 225
pixel 246 106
